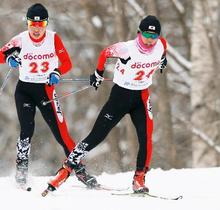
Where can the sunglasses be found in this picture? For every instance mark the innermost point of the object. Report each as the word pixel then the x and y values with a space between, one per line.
pixel 149 35
pixel 37 23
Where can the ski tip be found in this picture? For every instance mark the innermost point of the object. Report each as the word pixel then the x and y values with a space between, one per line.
pixel 45 192
pixel 179 198
pixel 50 188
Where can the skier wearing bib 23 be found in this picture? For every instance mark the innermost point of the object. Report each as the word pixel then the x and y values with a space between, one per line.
pixel 41 59
pixel 138 60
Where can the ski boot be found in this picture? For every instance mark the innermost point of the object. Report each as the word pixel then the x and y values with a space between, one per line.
pixel 138 184
pixel 84 176
pixel 21 172
pixel 63 174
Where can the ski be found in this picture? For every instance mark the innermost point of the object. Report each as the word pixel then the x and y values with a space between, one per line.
pixel 148 195
pixel 102 187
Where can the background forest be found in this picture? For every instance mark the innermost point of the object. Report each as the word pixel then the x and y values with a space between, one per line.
pixel 185 99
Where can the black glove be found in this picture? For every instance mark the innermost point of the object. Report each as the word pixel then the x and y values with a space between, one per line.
pixel 124 61
pixel 11 57
pixel 163 64
pixel 96 79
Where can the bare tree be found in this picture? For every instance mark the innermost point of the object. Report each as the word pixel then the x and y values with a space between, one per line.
pixel 205 115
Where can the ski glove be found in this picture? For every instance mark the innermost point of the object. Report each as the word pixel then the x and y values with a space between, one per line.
pixel 96 79
pixel 163 64
pixel 13 61
pixel 54 77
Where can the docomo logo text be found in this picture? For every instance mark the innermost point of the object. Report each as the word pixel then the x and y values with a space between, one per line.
pixel 139 65
pixel 30 56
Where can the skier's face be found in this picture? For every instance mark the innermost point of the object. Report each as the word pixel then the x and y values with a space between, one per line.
pixel 37 29
pixel 149 38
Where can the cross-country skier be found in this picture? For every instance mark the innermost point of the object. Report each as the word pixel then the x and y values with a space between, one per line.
pixel 138 60
pixel 41 58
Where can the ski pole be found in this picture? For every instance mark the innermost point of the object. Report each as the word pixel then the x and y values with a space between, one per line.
pixel 44 103
pixel 5 80
pixel 80 79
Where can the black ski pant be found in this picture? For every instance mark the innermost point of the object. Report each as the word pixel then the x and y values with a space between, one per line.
pixel 123 101
pixel 28 96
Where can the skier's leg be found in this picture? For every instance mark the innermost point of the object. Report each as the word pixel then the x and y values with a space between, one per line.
pixel 26 112
pixel 142 119
pixel 104 123
pixel 111 113
pixel 54 117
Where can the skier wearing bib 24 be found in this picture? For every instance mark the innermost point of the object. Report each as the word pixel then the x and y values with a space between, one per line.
pixel 138 60
pixel 41 58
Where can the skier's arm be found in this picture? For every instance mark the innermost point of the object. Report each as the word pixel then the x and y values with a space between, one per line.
pixel 118 50
pixel 164 42
pixel 163 61
pixel 2 57
pixel 64 58
pixel 13 45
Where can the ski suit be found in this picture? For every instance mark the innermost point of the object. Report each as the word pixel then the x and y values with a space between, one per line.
pixel 133 74
pixel 38 60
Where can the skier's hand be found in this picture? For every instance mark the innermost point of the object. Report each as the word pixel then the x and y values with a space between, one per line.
pixel 163 64
pixel 96 79
pixel 54 77
pixel 13 61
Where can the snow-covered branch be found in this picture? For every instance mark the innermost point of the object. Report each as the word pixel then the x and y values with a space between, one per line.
pixel 175 54
pixel 182 74
pixel 179 6
pixel 206 139
pixel 136 7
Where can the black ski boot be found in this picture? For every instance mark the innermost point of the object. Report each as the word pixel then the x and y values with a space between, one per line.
pixel 83 175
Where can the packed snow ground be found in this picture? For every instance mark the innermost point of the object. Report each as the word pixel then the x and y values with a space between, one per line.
pixel 200 189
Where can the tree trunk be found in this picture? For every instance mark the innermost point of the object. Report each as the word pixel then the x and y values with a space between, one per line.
pixel 203 90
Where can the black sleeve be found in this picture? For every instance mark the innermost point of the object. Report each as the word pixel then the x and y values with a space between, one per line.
pixel 11 51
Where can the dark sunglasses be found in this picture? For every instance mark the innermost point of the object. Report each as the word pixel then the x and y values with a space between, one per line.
pixel 149 35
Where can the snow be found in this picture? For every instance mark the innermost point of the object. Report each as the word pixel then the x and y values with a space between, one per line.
pixel 200 189
pixel 97 21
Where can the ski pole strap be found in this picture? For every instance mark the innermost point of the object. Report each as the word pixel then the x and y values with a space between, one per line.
pixel 81 79
pixel 44 103
pixel 5 80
